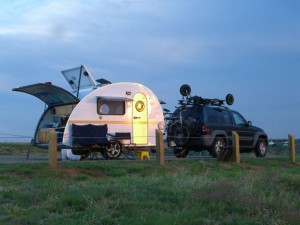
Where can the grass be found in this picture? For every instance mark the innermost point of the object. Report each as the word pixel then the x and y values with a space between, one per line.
pixel 257 191
pixel 201 191
pixel 7 148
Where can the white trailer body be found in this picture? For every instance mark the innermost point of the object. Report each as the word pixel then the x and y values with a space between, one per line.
pixel 125 108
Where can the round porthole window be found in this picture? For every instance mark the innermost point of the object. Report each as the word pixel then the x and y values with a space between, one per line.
pixel 104 109
pixel 139 106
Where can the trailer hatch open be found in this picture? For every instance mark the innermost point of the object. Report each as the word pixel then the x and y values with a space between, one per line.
pixel 50 94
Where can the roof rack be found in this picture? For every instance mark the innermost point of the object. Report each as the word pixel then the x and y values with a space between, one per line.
pixel 187 99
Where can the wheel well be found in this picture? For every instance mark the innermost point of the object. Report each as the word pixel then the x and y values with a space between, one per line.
pixel 263 137
pixel 223 137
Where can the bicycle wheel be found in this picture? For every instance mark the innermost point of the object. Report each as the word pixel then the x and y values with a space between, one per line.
pixel 181 134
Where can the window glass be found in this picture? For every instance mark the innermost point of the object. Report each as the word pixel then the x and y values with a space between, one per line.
pixel 238 119
pixel 211 116
pixel 106 107
pixel 224 117
pixel 218 115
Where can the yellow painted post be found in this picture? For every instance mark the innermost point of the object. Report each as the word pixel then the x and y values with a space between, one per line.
pixel 236 147
pixel 52 148
pixel 160 147
pixel 292 148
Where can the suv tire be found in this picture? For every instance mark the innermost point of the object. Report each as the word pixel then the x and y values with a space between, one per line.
pixel 218 147
pixel 261 148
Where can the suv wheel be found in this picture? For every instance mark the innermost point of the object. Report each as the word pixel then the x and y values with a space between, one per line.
pixel 261 148
pixel 180 152
pixel 217 147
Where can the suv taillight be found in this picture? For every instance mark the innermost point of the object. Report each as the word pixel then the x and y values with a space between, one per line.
pixel 205 129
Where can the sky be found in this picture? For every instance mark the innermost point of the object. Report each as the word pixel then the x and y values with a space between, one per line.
pixel 250 49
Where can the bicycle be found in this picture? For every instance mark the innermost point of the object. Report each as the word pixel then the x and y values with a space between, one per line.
pixel 178 127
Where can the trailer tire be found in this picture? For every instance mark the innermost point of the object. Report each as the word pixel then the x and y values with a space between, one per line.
pixel 113 150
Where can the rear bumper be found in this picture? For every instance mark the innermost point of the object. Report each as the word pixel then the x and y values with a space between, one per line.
pixel 200 142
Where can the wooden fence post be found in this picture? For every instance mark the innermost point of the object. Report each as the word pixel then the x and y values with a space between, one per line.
pixel 160 147
pixel 292 148
pixel 236 147
pixel 52 148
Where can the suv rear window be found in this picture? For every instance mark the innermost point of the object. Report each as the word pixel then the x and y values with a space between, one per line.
pixel 216 115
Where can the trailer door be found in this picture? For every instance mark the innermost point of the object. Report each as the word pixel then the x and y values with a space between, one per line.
pixel 140 119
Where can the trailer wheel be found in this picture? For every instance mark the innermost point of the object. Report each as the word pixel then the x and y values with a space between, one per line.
pixel 113 150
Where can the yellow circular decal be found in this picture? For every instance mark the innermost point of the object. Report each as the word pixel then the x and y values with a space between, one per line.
pixel 139 106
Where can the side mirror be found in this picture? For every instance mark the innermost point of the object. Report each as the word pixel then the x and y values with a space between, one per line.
pixel 249 124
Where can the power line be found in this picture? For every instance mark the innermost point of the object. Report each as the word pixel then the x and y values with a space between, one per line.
pixel 13 136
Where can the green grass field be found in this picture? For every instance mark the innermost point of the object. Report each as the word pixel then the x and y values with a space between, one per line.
pixel 20 149
pixel 257 191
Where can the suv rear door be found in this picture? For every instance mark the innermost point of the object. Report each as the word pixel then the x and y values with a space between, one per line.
pixel 226 122
pixel 220 121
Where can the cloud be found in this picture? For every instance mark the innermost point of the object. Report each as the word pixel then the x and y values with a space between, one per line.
pixel 48 20
pixel 178 50
pixel 64 20
pixel 38 31
pixel 6 83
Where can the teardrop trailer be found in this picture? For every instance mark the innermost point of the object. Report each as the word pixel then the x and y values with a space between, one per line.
pixel 110 118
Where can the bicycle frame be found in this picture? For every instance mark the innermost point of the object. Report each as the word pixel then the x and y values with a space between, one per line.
pixel 178 127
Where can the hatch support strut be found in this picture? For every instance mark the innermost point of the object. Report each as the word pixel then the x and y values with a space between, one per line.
pixel 78 88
